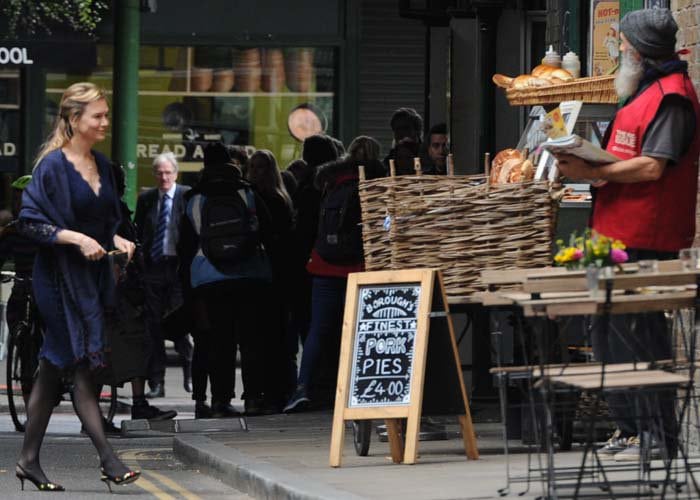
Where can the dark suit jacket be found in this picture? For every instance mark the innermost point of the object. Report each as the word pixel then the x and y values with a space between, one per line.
pixel 146 213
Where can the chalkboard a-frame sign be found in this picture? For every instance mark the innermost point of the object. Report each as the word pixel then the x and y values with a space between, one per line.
pixel 383 357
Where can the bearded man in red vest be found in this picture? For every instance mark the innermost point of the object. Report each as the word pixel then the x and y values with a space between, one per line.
pixel 647 199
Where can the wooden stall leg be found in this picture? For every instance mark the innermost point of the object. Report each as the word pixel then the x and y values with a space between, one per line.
pixel 469 437
pixel 393 432
pixel 411 438
pixel 337 439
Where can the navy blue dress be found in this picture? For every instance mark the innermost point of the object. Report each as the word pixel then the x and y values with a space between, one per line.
pixel 72 309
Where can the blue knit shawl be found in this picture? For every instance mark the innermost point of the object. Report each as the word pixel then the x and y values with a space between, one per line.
pixel 46 209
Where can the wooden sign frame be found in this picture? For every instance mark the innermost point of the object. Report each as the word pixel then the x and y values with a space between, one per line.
pixel 391 413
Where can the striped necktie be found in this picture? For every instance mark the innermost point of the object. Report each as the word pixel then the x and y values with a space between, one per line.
pixel 157 249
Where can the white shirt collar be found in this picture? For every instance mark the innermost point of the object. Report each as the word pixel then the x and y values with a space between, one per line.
pixel 171 192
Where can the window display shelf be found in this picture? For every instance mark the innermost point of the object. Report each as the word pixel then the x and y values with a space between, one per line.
pixel 182 93
pixel 233 94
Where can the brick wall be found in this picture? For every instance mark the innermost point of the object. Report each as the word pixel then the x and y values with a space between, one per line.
pixel 687 14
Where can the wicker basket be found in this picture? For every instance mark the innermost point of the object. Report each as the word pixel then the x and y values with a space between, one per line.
pixel 457 224
pixel 597 89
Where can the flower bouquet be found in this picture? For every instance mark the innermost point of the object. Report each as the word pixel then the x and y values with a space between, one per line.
pixel 590 248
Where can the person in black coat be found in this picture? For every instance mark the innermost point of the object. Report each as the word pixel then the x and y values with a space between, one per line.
pixel 230 300
pixel 329 270
pixel 317 150
pixel 266 179
pixel 128 316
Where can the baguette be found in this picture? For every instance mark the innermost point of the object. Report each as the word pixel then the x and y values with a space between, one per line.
pixel 502 81
pixel 528 81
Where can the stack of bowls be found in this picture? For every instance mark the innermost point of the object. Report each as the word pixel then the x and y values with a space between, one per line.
pixel 299 65
pixel 273 76
pixel 248 70
pixel 201 79
pixel 223 80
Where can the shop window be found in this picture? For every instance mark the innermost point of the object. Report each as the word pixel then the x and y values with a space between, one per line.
pixel 189 96
pixel 9 89
pixel 9 133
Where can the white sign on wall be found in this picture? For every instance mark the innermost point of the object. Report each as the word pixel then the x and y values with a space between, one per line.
pixel 14 55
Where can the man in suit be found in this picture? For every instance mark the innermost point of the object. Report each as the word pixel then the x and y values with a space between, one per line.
pixel 158 214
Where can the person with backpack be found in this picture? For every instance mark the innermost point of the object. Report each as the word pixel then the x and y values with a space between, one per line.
pixel 223 241
pixel 337 252
pixel 317 150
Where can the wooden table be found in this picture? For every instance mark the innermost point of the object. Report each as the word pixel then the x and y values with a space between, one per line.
pixel 555 292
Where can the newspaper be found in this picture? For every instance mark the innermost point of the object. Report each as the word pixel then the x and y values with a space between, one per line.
pixel 578 146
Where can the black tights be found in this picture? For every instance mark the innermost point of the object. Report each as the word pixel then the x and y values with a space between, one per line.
pixel 41 403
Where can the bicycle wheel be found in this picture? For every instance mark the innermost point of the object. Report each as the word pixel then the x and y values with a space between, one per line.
pixel 361 436
pixel 21 367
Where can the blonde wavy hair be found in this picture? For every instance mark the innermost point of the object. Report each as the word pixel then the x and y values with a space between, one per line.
pixel 73 103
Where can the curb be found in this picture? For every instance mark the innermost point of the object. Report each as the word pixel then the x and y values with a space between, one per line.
pixel 133 428
pixel 255 478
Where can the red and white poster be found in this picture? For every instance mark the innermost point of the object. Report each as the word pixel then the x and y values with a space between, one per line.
pixel 604 41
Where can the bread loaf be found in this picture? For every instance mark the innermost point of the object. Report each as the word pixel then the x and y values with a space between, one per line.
pixel 511 165
pixel 527 81
pixel 561 74
pixel 544 71
pixel 502 81
pixel 523 172
pixel 541 76
pixel 499 161
pixel 541 70
pixel 507 170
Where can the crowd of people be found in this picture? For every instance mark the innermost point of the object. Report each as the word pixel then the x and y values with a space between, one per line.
pixel 264 255
pixel 252 261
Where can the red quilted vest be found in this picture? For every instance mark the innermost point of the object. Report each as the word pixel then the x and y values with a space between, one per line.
pixel 655 215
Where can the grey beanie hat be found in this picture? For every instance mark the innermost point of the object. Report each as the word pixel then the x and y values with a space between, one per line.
pixel 652 32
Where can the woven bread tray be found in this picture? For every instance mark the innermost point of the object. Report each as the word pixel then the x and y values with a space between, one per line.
pixel 596 89
pixel 456 224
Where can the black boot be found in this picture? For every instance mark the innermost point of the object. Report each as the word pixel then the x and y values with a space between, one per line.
pixel 141 410
pixel 202 410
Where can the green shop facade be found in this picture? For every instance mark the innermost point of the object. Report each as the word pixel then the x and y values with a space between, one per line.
pixel 234 71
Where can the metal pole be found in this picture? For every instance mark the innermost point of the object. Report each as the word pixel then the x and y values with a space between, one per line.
pixel 127 31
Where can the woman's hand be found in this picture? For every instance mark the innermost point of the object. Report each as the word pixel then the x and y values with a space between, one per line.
pixel 90 249
pixel 124 245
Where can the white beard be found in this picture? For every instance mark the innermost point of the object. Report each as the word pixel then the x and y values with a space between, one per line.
pixel 630 74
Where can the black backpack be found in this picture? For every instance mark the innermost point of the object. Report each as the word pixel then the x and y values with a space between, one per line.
pixel 229 231
pixel 339 237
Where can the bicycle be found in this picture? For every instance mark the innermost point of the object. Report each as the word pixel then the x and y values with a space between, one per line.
pixel 23 345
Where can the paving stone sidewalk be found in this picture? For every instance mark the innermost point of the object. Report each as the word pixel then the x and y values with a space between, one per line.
pixel 286 456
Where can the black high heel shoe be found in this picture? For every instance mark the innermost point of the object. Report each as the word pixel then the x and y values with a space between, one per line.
pixel 48 486
pixel 126 478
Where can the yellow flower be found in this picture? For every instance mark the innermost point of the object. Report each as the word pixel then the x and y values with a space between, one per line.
pixel 618 245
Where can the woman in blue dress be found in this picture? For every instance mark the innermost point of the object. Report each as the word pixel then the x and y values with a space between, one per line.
pixel 71 208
